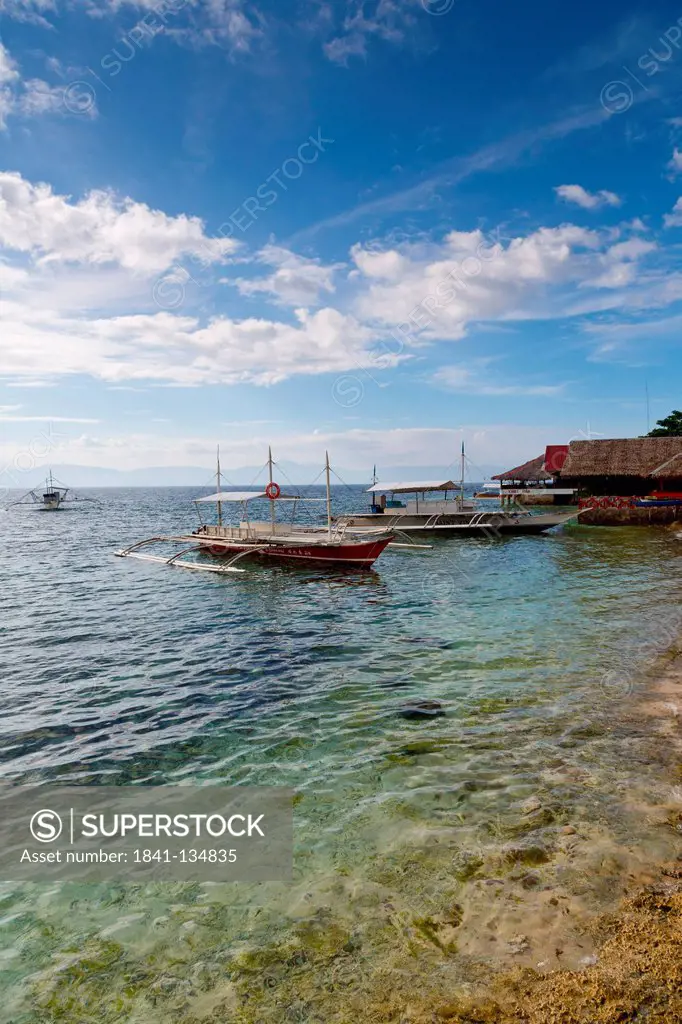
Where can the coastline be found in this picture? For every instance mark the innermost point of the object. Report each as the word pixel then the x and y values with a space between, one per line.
pixel 637 964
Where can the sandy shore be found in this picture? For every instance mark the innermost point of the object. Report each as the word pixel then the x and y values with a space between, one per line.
pixel 637 969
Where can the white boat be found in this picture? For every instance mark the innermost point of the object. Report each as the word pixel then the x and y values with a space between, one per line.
pixel 384 500
pixel 443 517
pixel 490 524
pixel 53 496
pixel 284 542
pixel 491 491
pixel 419 503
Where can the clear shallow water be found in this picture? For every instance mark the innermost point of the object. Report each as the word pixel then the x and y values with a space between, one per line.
pixel 423 848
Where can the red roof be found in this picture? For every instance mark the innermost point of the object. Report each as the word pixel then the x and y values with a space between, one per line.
pixel 555 456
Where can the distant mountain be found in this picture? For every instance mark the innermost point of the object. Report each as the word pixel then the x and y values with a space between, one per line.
pixel 193 476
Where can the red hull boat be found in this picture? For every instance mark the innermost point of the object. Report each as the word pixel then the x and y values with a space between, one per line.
pixel 350 551
pixel 334 544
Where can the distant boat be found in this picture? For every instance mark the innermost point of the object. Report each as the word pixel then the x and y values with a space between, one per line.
pixel 52 498
pixel 492 491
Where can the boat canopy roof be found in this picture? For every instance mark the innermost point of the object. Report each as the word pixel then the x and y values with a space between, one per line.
pixel 233 496
pixel 408 488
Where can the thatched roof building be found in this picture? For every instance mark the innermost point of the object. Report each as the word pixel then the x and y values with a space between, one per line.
pixel 645 458
pixel 530 472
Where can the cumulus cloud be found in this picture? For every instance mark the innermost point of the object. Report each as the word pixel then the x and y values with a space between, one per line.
pixel 181 349
pixel 587 200
pixel 76 277
pixel 295 281
pixel 98 229
pixel 436 291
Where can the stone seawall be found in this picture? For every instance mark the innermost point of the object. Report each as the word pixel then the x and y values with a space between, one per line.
pixel 631 516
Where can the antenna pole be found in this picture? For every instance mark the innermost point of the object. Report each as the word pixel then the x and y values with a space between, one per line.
pixel 220 504
pixel 648 407
pixel 329 494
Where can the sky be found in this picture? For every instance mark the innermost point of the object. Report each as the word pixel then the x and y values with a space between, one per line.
pixel 376 227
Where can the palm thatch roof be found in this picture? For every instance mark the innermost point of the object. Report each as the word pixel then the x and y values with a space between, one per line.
pixel 533 470
pixel 629 456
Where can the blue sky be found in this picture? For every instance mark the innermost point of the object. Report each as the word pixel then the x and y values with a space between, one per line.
pixel 375 227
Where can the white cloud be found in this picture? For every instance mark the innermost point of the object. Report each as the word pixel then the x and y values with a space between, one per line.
pixel 32 11
pixel 471 379
pixel 674 219
pixel 231 24
pixel 296 280
pixel 388 20
pixel 674 165
pixel 228 23
pixel 98 229
pixel 432 292
pixel 502 445
pixel 31 98
pixel 78 292
pixel 620 264
pixel 181 349
pixel 587 200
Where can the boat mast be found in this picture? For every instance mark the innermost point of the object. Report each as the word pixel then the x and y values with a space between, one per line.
pixel 329 494
pixel 461 484
pixel 272 503
pixel 217 476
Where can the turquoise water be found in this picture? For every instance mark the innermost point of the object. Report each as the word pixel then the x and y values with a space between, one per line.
pixel 423 848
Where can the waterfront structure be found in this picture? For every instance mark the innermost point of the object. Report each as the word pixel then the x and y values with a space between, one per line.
pixel 535 482
pixel 631 466
pixel 626 480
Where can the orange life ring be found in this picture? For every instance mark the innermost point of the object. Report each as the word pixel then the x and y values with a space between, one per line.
pixel 273 491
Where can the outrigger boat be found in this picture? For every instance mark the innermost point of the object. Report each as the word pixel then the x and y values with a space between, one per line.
pixel 384 496
pixel 443 518
pixel 462 524
pixel 285 542
pixel 53 497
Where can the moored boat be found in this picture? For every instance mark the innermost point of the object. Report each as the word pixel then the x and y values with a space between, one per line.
pixel 465 524
pixel 284 542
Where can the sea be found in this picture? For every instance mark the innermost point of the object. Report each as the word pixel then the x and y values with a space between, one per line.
pixel 429 854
